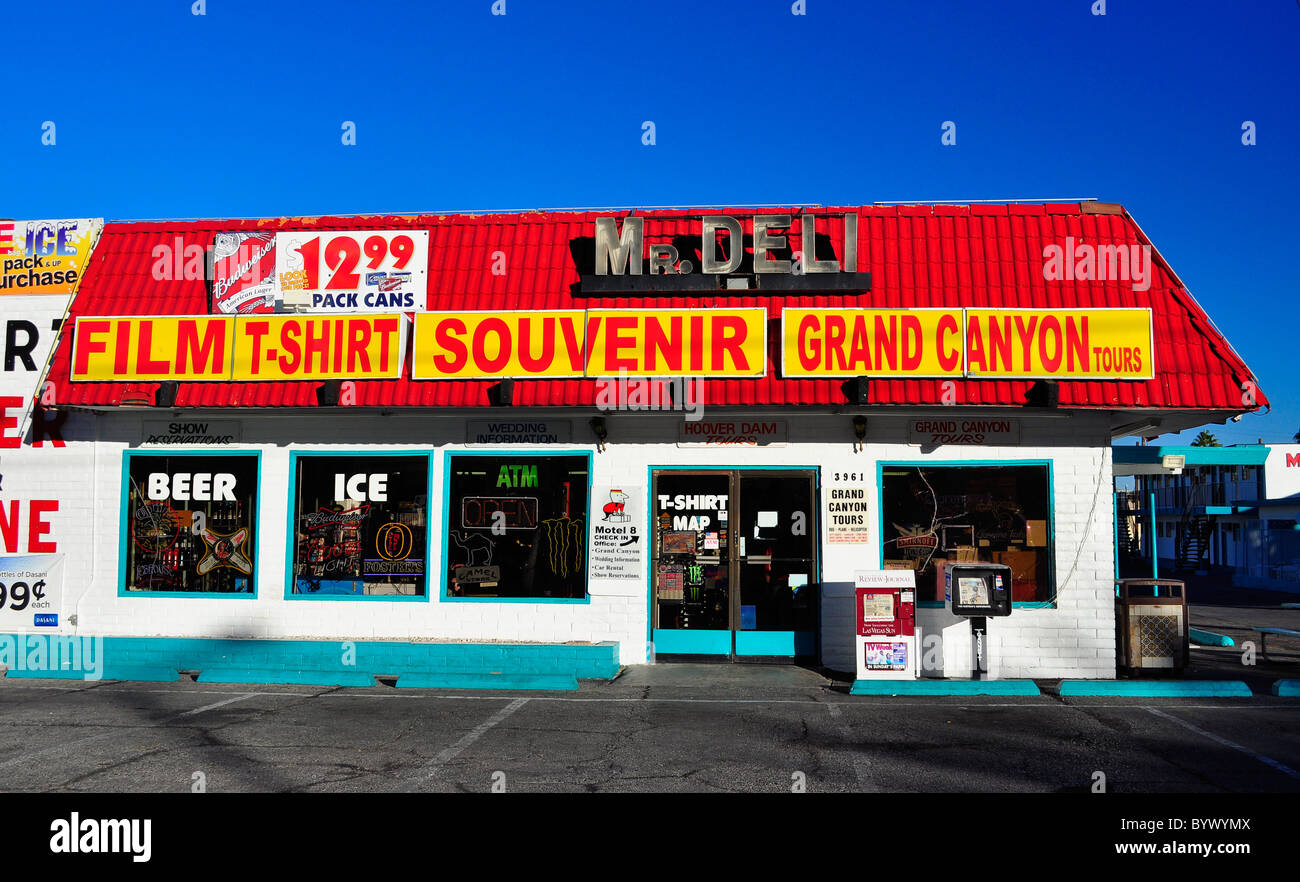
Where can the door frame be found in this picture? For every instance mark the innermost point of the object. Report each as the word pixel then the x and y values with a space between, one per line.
pixel 734 473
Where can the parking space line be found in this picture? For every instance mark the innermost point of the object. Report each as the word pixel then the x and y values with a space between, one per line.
pixel 1286 770
pixel 208 707
pixel 431 768
pixel 116 730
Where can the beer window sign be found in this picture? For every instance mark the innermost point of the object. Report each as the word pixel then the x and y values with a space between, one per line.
pixel 516 527
pixel 190 524
pixel 360 527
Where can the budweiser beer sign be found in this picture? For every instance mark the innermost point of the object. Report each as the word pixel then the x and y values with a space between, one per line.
pixel 243 273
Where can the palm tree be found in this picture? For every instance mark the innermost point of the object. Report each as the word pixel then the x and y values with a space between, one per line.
pixel 1207 439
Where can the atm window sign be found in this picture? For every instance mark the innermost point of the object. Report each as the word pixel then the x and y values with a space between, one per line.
pixel 46 620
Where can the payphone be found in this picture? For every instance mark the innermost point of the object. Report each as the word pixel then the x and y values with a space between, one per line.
pixel 886 624
pixel 977 591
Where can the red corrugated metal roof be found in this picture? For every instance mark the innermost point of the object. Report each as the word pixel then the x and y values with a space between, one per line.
pixel 918 256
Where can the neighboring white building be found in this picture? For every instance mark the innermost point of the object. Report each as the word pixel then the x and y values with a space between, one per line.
pixel 1231 508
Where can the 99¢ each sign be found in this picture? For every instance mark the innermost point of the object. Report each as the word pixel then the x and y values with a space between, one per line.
pixel 31 591
pixel 353 270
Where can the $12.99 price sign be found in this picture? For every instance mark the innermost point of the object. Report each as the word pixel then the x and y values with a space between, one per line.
pixel 355 270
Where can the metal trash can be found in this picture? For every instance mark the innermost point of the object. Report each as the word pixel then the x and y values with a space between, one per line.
pixel 1151 618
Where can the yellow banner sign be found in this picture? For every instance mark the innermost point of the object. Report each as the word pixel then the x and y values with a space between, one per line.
pixel 994 343
pixel 154 348
pixel 45 256
pixel 871 342
pixel 669 342
pixel 318 347
pixel 1086 344
pixel 469 345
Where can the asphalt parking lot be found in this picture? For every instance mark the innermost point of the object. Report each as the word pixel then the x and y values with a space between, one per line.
pixel 664 728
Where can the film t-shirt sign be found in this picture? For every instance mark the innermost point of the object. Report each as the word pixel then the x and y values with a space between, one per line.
pixel 191 523
pixel 361 525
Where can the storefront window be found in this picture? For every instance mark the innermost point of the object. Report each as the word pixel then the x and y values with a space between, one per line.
pixel 516 526
pixel 936 515
pixel 190 524
pixel 360 526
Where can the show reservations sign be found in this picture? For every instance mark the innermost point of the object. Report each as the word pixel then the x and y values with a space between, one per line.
pixel 976 343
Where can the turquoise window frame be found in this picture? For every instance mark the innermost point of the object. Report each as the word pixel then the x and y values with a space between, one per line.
pixel 650 522
pixel 290 529
pixel 881 465
pixel 447 457
pixel 124 538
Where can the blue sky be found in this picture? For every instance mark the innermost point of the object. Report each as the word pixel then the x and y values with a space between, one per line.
pixel 162 113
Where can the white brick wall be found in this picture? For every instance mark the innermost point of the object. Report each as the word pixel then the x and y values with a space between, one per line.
pixel 1075 639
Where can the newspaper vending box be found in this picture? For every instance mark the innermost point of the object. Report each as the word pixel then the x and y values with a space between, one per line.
pixel 977 591
pixel 886 624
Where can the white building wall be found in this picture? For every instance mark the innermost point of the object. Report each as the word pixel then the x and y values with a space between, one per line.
pixel 1073 639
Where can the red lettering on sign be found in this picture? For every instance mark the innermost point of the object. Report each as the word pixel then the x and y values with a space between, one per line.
pixel 291 360
pixel 256 330
pixel 669 345
pixel 502 331
pixel 950 359
pixel 454 354
pixel 317 345
pixel 729 339
pixel 9 526
pixel 526 360
pixel 616 342
pixel 38 527
pixel 358 340
pixel 87 345
pixel 190 351
pixel 385 328
pixel 9 422
pixel 1076 344
pixel 810 350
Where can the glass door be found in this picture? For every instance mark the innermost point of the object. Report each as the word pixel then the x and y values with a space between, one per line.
pixel 734 563
pixel 692 563
pixel 776 540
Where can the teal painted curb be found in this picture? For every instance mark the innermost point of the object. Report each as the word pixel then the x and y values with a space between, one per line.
pixel 297 678
pixel 12 674
pixel 1156 688
pixel 487 681
pixel 944 687
pixel 141 673
pixel 1209 638
pixel 1291 606
pixel 313 662
pixel 1287 688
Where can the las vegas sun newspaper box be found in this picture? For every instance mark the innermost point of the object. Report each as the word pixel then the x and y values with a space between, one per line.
pixel 886 624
